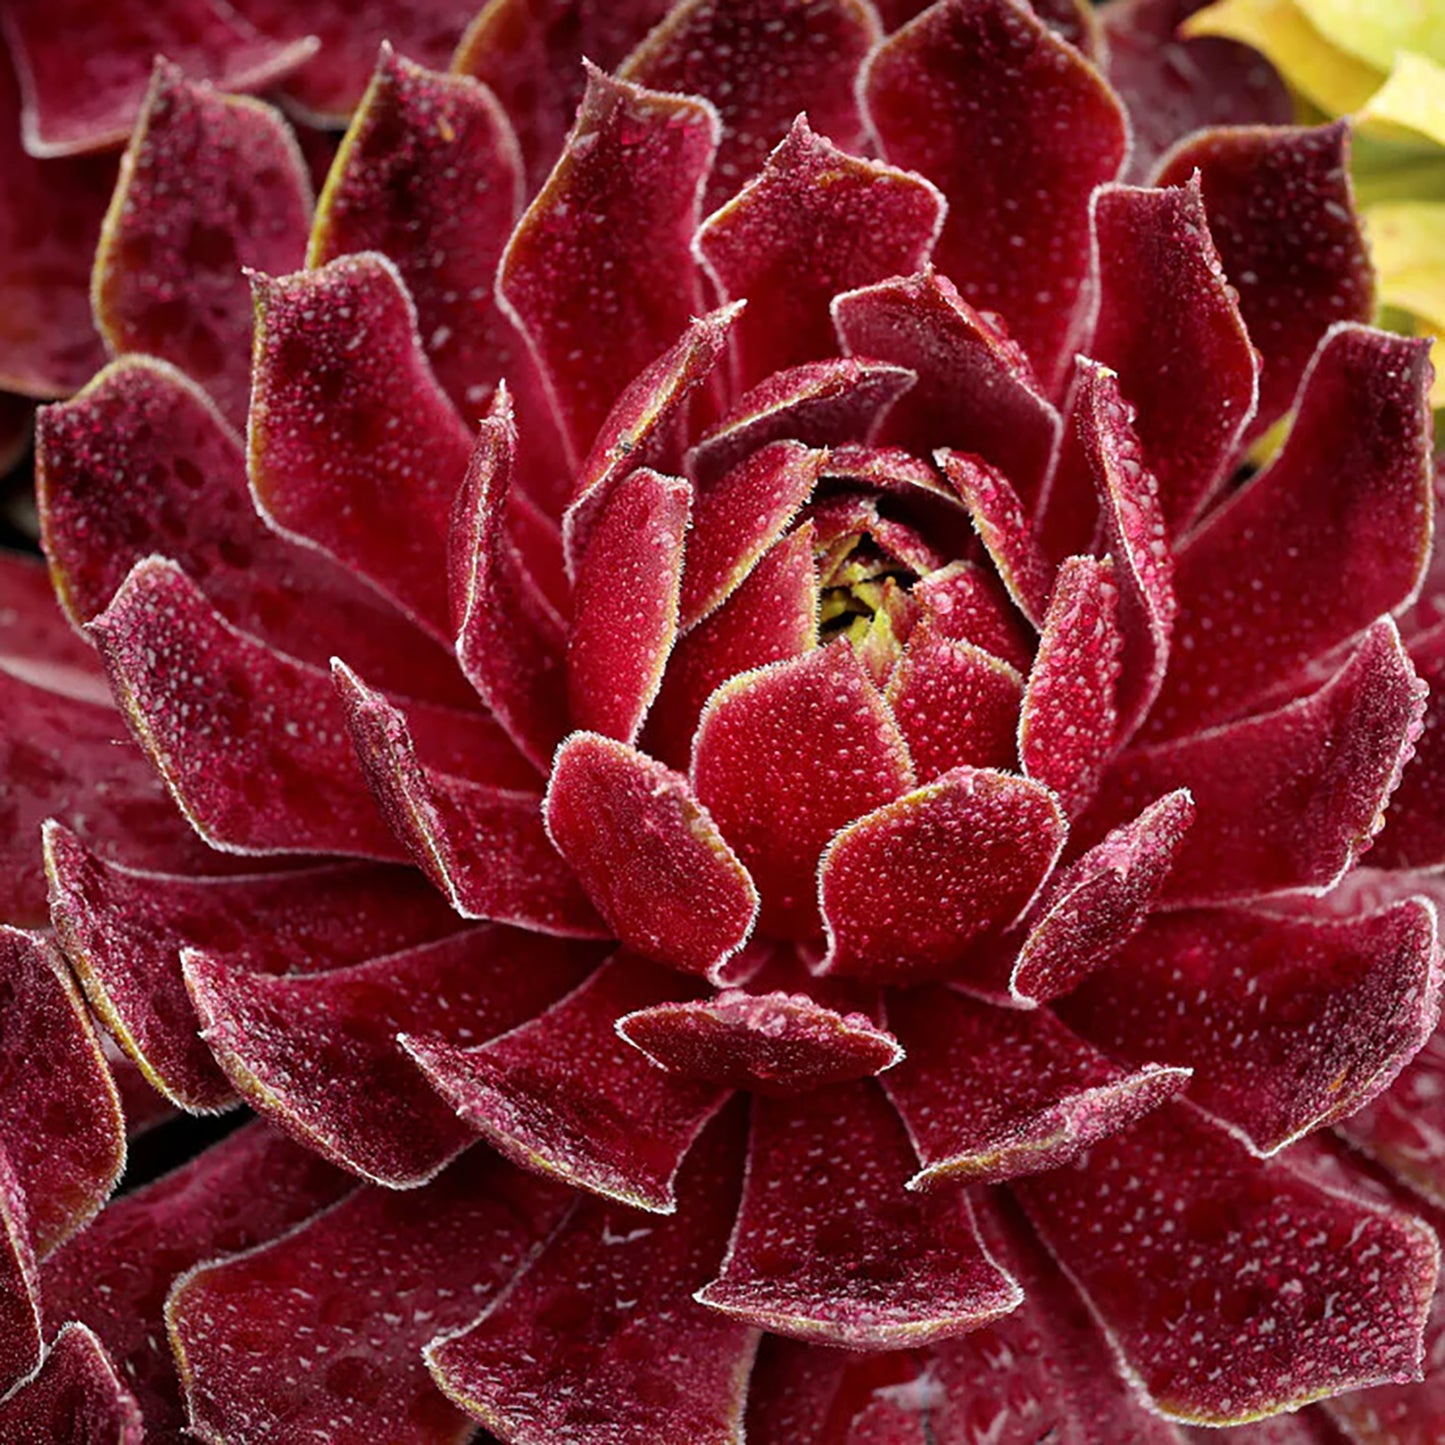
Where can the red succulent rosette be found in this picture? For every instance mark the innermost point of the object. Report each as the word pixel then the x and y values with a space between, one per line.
pixel 739 765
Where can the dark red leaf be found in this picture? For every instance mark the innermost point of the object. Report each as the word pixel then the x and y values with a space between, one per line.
pixel 621 1135
pixel 1016 128
pixel 356 1292
pixel 598 273
pixel 74 1397
pixel 1289 799
pixel 429 175
pixel 975 390
pixel 1282 214
pixel 598 1338
pixel 814 222
pixel 829 1247
pixel 907 890
pixel 251 1186
pixel 786 756
pixel 123 932
pixel 783 57
pixel 353 445
pixel 140 464
pixel 625 605
pixel 993 1093
pixel 84 67
pixel 648 855
pixel 1231 1287
pixel 1332 535
pixel 1169 325
pixel 210 184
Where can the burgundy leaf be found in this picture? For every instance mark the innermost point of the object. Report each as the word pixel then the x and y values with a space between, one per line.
pixel 86 773
pixel 783 758
pixel 819 403
pixel 597 1338
pixel 60 1121
pixel 317 1054
pixel 629 582
pixel 956 705
pixel 738 516
pixel 1288 1024
pixel 1041 1371
pixel 1173 86
pixel 1289 799
pixel 1330 536
pixel 239 1324
pixel 22 1341
pixel 1404 1129
pixel 1068 720
pixel 783 57
pixel 75 1396
pixel 975 389
pixel 1097 903
pixel 644 426
pixel 1411 1414
pixel 598 274
pixel 1414 835
pixel 529 55
pixel 1265 1290
pixel 1169 325
pixel 123 932
pixel 483 845
pixel 771 617
pixel 353 446
pixel 802 1394
pixel 84 67
pixel 249 741
pixel 140 463
pixel 210 184
pixel 34 632
pixel 648 855
pixel 624 1134
pixel 770 1043
pixel 332 83
pixel 1282 214
pixel 49 228
pixel 908 889
pixel 115 1276
pixel 993 1093
pixel 1101 454
pixel 1002 522
pixel 429 175
pixel 1017 129
pixel 966 602
pixel 837 1252
pixel 509 642
pixel 814 222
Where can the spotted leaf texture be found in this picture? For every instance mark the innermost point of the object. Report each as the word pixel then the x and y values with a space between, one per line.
pixel 450 1248
pixel 1227 1320
pixel 607 1302
pixel 1288 1023
pixel 1280 211
pixel 991 1093
pixel 785 756
pixel 907 889
pixel 894 1273
pixel 633 168
pixel 649 855
pixel 625 1137
pixel 814 222
pixel 210 184
pixel 1016 237
pixel 431 156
